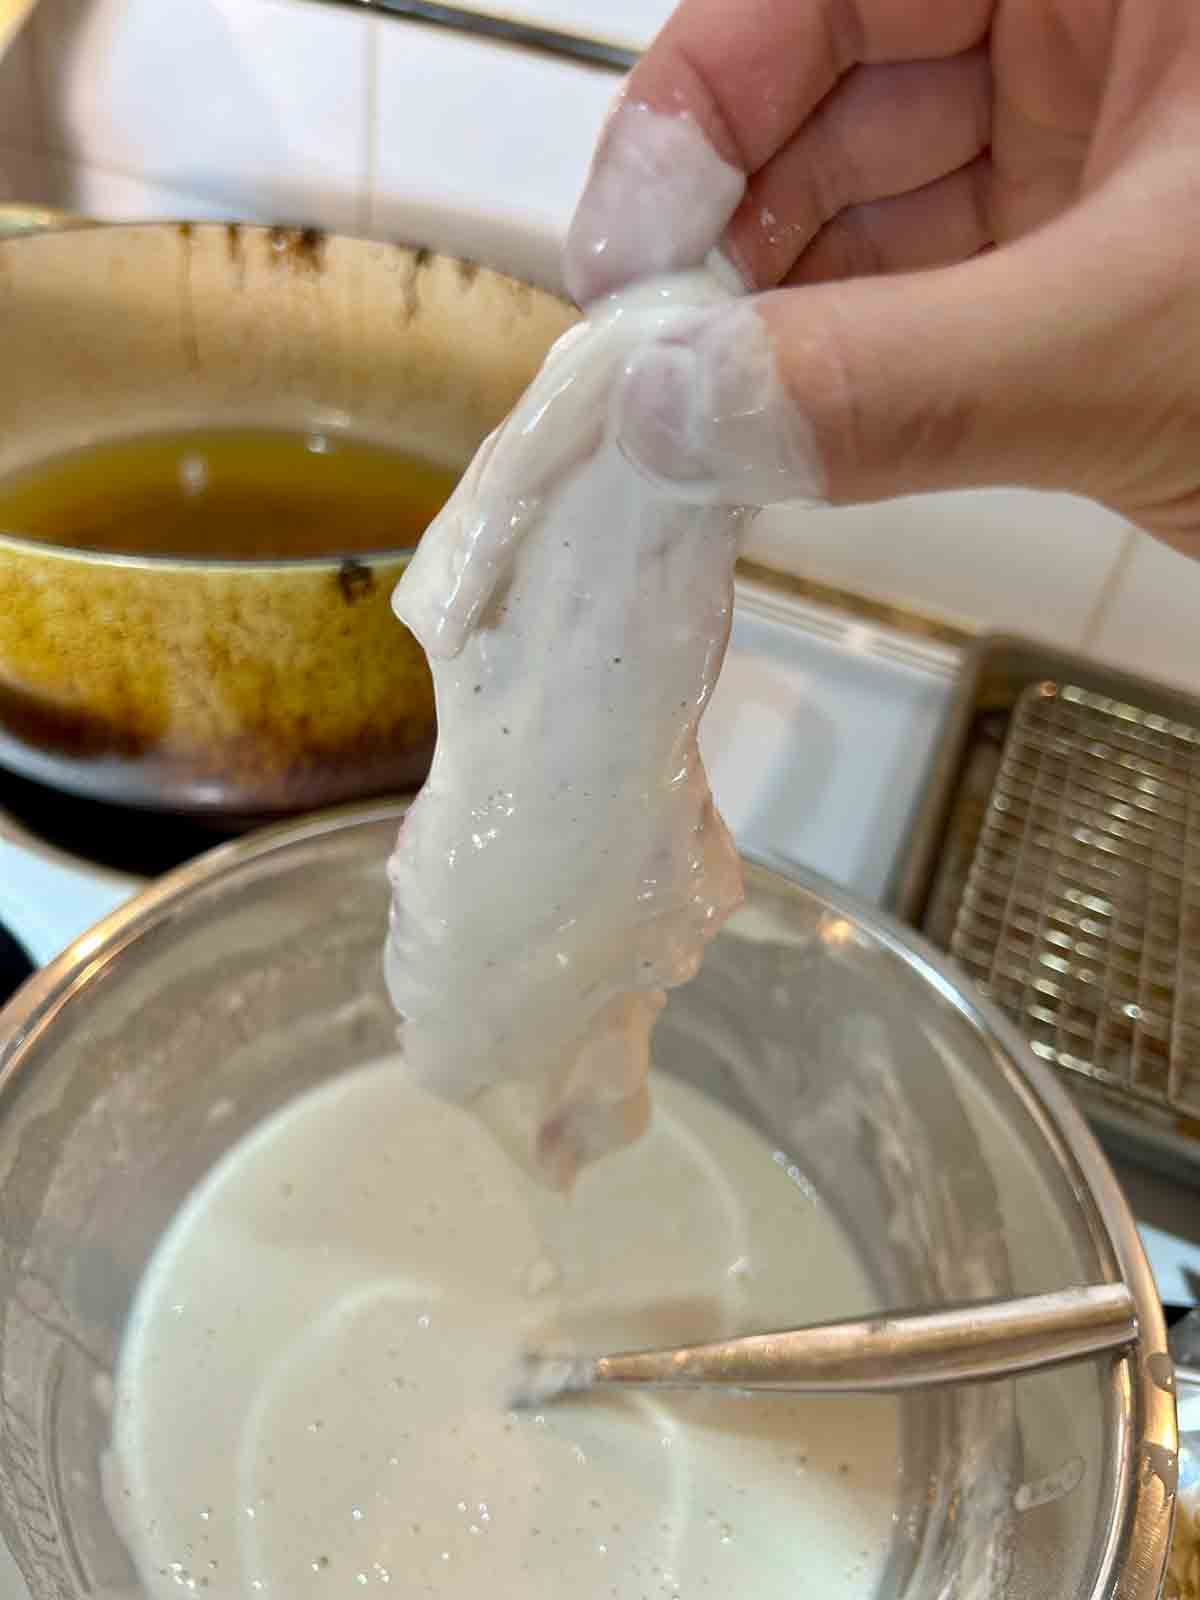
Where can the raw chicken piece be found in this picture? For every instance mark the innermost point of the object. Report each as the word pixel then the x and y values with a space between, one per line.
pixel 564 863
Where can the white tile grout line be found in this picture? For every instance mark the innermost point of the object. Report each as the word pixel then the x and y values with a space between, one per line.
pixel 1103 603
pixel 364 211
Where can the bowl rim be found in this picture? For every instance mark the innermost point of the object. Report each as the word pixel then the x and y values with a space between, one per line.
pixel 1137 1542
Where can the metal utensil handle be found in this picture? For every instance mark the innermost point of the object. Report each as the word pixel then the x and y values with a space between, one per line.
pixel 506 30
pixel 908 1350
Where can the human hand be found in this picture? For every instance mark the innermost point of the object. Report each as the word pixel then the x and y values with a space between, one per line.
pixel 985 219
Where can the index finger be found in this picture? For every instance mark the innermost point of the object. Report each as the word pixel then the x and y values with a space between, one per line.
pixel 749 74
pixel 719 92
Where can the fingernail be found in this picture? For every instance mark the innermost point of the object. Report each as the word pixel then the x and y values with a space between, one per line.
pixel 706 414
pixel 657 200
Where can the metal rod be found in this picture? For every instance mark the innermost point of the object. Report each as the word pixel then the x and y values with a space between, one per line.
pixel 507 30
pixel 890 1353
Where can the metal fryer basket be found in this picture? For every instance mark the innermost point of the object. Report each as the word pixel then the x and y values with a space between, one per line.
pixel 1081 913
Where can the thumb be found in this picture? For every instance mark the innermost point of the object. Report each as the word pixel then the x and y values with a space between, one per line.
pixel 998 370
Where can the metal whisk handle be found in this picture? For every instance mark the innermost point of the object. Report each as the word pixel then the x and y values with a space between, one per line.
pixel 893 1352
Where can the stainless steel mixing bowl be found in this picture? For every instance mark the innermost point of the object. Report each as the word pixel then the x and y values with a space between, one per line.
pixel 953 1162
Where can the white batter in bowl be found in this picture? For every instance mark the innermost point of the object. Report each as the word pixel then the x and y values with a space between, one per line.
pixel 135 1071
pixel 311 1394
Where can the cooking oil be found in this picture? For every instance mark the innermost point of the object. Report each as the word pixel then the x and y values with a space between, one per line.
pixel 236 494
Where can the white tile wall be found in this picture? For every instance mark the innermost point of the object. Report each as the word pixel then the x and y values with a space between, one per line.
pixel 1151 622
pixel 1010 559
pixel 257 106
pixel 91 191
pixel 481 148
pixel 287 110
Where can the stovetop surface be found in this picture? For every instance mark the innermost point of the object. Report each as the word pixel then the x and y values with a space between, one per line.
pixel 126 839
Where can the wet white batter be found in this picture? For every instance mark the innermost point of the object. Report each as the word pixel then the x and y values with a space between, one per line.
pixel 309 1394
pixel 564 864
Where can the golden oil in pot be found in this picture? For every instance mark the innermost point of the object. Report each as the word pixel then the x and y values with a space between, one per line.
pixel 238 494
